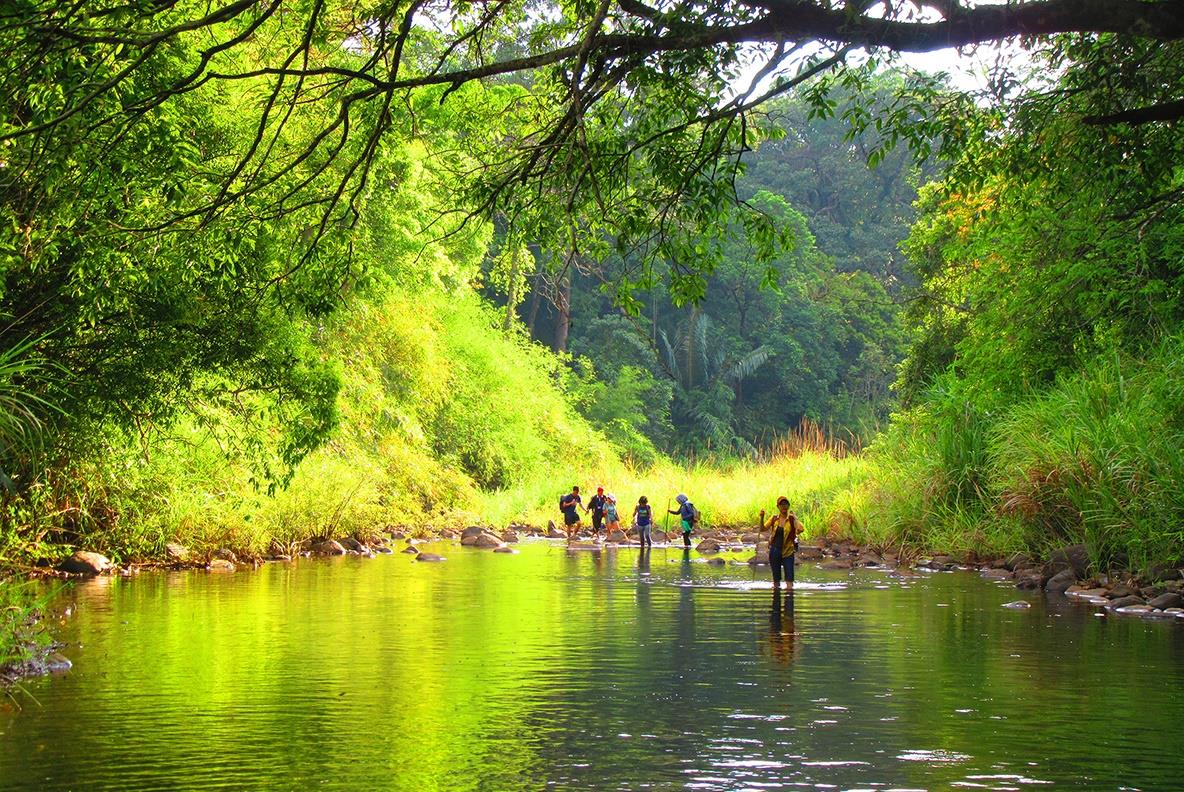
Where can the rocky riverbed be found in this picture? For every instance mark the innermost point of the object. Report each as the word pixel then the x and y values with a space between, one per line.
pixel 1155 594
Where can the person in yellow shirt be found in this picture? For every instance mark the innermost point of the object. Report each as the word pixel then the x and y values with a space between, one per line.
pixel 784 528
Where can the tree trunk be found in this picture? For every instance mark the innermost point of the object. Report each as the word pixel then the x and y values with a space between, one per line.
pixel 536 298
pixel 563 307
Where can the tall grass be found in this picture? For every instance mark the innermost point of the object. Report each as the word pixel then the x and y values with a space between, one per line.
pixel 1094 459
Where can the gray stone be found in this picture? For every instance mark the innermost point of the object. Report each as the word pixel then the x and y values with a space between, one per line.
pixel 225 554
pixel 176 552
pixel 555 533
pixel 1124 602
pixel 869 559
pixel 1018 605
pixel 329 547
pixel 472 530
pixel 708 546
pixel 616 536
pixel 998 574
pixel 1119 591
pixel 509 537
pixel 760 559
pixel 504 549
pixel 486 541
pixel 383 549
pixel 809 553
pixel 430 557
pixel 1086 594
pixel 220 565
pixel 1029 580
pixel 837 563
pixel 84 562
pixel 1134 610
pixel 750 538
pixel 1061 581
pixel 716 561
pixel 1169 600
pixel 1163 573
pixel 353 545
pixel 410 549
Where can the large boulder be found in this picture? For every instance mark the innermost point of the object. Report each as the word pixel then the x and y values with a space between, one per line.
pixel 84 562
pixel 616 536
pixel 658 536
pixel 329 547
pixel 1170 599
pixel 473 531
pixel 354 546
pixel 708 546
pixel 1061 581
pixel 1074 557
pixel 1124 602
pixel 486 541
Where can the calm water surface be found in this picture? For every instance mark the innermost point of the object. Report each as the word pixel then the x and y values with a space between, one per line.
pixel 606 670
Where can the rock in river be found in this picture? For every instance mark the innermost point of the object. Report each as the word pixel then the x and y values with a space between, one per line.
pixel 486 541
pixel 329 547
pixel 1125 602
pixel 1061 581
pixel 1018 605
pixel 616 536
pixel 84 562
pixel 504 549
pixel 1169 600
pixel 220 565
pixel 430 557
pixel 707 546
pixel 354 546
pixel 410 549
pixel 225 554
pixel 176 552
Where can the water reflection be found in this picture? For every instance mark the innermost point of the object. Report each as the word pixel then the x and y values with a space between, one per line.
pixel 591 668
pixel 783 636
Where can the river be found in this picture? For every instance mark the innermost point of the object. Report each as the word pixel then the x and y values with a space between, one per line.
pixel 611 670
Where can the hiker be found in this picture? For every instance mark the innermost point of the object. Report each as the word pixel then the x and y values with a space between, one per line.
pixel 783 541
pixel 570 504
pixel 688 515
pixel 643 518
pixel 596 506
pixel 612 520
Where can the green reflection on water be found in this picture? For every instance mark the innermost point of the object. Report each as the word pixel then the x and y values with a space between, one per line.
pixel 602 670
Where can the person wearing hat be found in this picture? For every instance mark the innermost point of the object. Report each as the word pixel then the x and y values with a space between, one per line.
pixel 612 520
pixel 596 506
pixel 784 528
pixel 688 515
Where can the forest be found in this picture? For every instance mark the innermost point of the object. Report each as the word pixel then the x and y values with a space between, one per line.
pixel 273 271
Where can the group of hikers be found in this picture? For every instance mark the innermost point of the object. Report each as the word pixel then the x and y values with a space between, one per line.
pixel 784 527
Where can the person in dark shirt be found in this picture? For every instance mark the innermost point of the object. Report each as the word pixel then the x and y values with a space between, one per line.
pixel 596 507
pixel 570 504
pixel 643 518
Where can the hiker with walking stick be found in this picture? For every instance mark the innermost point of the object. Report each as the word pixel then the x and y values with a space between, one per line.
pixel 783 541
pixel 688 517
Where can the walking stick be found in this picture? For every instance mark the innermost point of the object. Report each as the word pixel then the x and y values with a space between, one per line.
pixel 667 528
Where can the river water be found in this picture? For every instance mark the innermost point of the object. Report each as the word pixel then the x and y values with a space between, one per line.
pixel 552 669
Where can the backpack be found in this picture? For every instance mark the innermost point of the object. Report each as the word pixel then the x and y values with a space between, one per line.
pixel 694 514
pixel 562 498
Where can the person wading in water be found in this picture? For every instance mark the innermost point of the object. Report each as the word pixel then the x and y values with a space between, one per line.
pixel 597 507
pixel 688 515
pixel 783 541
pixel 570 505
